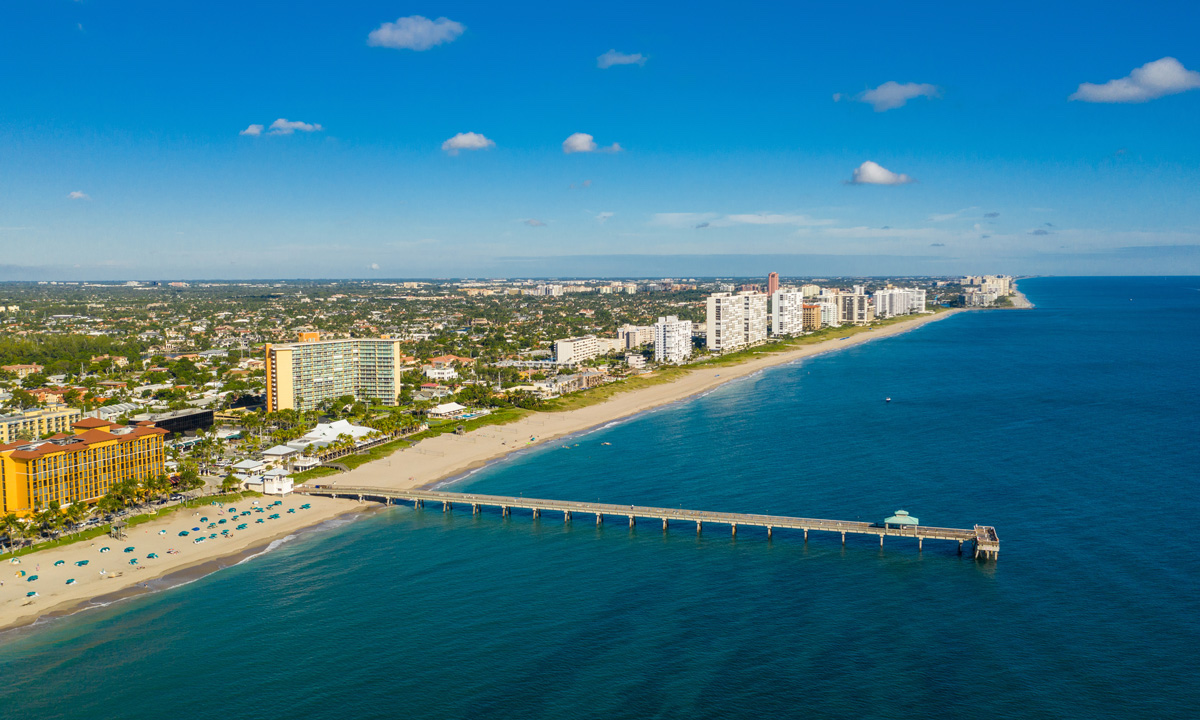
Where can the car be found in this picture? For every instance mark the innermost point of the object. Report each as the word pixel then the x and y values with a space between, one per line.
pixel 176 497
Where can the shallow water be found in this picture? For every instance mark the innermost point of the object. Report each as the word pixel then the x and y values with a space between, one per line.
pixel 1071 428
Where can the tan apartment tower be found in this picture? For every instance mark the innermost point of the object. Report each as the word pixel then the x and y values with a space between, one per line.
pixel 300 375
pixel 772 283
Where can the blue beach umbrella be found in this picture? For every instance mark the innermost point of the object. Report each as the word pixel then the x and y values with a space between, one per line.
pixel 81 563
pixel 59 562
pixel 183 533
pixel 31 593
pixel 70 581
pixel 104 549
pixel 129 549
pixel 152 556
pixel 32 578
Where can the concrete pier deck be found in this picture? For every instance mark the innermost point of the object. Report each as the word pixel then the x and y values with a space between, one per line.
pixel 985 542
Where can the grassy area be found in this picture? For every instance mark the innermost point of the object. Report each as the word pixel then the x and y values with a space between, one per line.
pixel 498 416
pixel 103 530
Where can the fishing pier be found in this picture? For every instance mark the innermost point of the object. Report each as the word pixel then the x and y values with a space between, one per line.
pixel 983 538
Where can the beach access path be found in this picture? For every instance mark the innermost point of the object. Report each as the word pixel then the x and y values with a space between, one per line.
pixel 449 455
pixel 120 577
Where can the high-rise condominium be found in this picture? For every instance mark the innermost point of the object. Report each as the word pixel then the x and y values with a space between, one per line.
pixel 301 375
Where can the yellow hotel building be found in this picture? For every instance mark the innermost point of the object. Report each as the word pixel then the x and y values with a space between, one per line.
pixel 78 467
pixel 301 375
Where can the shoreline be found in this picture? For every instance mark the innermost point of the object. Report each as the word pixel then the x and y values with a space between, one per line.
pixel 449 458
pixel 442 460
pixel 189 565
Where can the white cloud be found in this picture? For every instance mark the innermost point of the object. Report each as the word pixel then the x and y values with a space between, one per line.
pixel 703 220
pixel 870 173
pixel 603 217
pixel 1166 76
pixel 254 130
pixel 775 219
pixel 584 143
pixel 374 266
pixel 77 195
pixel 467 141
pixel 892 94
pixel 283 126
pixel 415 33
pixel 612 57
pixel 533 222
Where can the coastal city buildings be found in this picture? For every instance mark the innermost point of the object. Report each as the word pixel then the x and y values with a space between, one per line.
pixel 772 283
pixel 854 308
pixel 301 375
pixel 890 302
pixel 787 312
pixel 22 371
pixel 735 321
pixel 811 317
pixel 576 350
pixel 672 340
pixel 79 467
pixel 33 424
pixel 633 336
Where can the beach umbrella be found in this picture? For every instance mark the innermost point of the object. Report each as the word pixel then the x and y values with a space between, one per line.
pixel 70 581
pixel 152 556
pixel 32 578
pixel 129 549
pixel 212 537
pixel 203 519
pixel 81 563
pixel 222 521
pixel 195 529
pixel 232 509
pixel 59 562
pixel 20 573
pixel 183 533
pixel 162 532
pixel 133 561
pixel 31 593
pixel 291 510
pixel 259 520
pixel 104 549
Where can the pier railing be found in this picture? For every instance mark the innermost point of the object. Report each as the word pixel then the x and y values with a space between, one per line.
pixel 983 537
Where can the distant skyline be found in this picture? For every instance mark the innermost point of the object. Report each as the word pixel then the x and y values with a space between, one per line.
pixel 370 139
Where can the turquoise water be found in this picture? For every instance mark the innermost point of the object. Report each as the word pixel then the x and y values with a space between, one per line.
pixel 1071 428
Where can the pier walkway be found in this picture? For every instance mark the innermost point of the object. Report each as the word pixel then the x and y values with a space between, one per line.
pixel 985 542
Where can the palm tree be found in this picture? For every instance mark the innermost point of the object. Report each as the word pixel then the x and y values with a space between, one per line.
pixel 11 525
pixel 74 515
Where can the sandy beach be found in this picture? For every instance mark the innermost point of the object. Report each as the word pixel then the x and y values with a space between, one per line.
pixel 427 463
pixel 110 572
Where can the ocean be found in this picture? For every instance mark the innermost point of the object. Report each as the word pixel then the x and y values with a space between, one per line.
pixel 1071 428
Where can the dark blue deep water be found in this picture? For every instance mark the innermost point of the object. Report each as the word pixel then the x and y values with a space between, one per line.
pixel 1072 428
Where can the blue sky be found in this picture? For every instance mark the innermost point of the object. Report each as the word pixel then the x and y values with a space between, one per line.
pixel 128 147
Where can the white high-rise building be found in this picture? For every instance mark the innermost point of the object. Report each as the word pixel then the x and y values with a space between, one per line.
pixel 724 322
pixel 736 320
pixel 899 301
pixel 672 340
pixel 754 317
pixel 575 350
pixel 829 310
pixel 810 291
pixel 787 312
